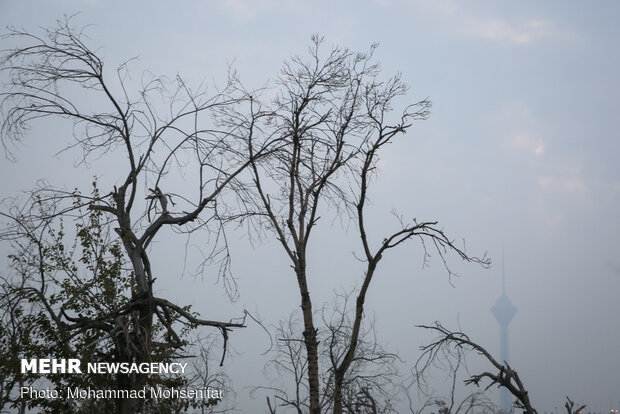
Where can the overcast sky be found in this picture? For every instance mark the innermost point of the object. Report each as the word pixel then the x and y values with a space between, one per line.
pixel 521 150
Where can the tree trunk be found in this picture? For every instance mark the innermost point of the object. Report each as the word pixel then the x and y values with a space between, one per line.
pixel 338 380
pixel 138 325
pixel 124 381
pixel 310 341
pixel 341 370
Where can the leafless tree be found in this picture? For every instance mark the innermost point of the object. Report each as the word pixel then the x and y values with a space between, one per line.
pixel 422 396
pixel 455 344
pixel 204 376
pixel 333 116
pixel 163 126
pixel 570 407
pixel 313 147
pixel 370 385
pixel 288 368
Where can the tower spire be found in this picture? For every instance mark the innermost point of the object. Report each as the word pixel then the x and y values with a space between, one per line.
pixel 503 273
pixel 504 311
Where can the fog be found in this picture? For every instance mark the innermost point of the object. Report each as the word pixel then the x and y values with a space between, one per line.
pixel 520 155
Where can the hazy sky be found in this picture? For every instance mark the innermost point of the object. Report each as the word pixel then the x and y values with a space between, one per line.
pixel 521 150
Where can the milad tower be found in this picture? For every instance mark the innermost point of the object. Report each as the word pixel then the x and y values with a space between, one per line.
pixel 504 311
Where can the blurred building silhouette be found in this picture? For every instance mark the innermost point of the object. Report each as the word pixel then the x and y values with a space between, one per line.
pixel 504 311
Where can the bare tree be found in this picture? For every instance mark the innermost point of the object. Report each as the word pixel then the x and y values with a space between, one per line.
pixel 422 396
pixel 370 385
pixel 314 147
pixel 287 369
pixel 455 344
pixel 333 115
pixel 163 126
pixel 570 407
pixel 204 375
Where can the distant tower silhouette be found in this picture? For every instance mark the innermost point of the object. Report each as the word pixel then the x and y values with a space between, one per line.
pixel 504 311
